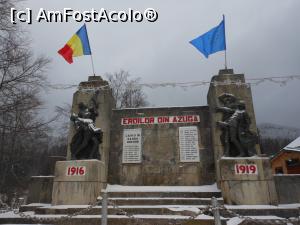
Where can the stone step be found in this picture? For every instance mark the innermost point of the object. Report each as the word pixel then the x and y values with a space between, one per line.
pixel 112 219
pixel 137 209
pixel 204 191
pixel 137 201
pixel 32 206
pixel 155 215
pixel 285 211
pixel 162 201
pixel 165 194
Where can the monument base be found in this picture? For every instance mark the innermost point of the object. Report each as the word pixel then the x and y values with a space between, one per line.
pixel 78 182
pixel 247 181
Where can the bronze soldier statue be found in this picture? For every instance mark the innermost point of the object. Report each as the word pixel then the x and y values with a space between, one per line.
pixel 85 142
pixel 237 139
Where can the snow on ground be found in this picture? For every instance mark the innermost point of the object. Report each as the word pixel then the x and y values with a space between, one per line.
pixel 280 206
pixel 127 206
pixel 234 221
pixel 185 208
pixel 10 214
pixel 13 215
pixel 266 217
pixel 66 206
pixel 121 188
pixel 38 204
pixel 237 221
pixel 160 198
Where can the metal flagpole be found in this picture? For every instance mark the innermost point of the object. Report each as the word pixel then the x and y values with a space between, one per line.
pixel 225 60
pixel 93 65
pixel 225 54
pixel 92 61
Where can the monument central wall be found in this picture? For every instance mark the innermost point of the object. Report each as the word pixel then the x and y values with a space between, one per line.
pixel 161 146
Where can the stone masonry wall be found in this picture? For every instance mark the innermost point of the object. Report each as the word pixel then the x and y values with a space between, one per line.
pixel 160 150
pixel 287 187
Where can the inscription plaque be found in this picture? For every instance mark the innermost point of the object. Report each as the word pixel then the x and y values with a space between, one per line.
pixel 188 144
pixel 132 145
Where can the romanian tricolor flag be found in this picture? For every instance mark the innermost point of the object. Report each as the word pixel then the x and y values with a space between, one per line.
pixel 78 45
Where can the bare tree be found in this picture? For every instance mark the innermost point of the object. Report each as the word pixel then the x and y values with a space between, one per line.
pixel 22 131
pixel 126 91
pixel 63 121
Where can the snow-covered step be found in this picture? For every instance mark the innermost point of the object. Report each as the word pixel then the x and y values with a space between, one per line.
pixel 285 211
pixel 165 194
pixel 10 218
pixel 205 191
pixel 154 214
pixel 282 210
pixel 132 209
pixel 162 201
pixel 157 205
pixel 33 206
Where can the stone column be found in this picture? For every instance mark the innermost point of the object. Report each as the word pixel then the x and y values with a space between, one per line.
pixel 226 82
pixel 241 91
pixel 85 92
pixel 88 184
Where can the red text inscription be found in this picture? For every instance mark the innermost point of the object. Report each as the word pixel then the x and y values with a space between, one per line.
pixel 160 120
pixel 245 169
pixel 76 171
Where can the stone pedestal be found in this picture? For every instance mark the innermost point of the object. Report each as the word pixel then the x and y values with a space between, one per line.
pixel 99 89
pixel 230 83
pixel 79 186
pixel 241 184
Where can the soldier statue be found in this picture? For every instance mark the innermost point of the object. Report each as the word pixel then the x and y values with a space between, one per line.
pixel 85 142
pixel 237 139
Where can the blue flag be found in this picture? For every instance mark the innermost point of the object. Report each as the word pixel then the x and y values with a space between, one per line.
pixel 212 41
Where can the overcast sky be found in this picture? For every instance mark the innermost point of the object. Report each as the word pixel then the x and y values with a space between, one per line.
pixel 263 39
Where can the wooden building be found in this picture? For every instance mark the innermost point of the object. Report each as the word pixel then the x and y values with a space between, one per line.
pixel 287 161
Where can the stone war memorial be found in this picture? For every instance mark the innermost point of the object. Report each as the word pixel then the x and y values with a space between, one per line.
pixel 166 165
